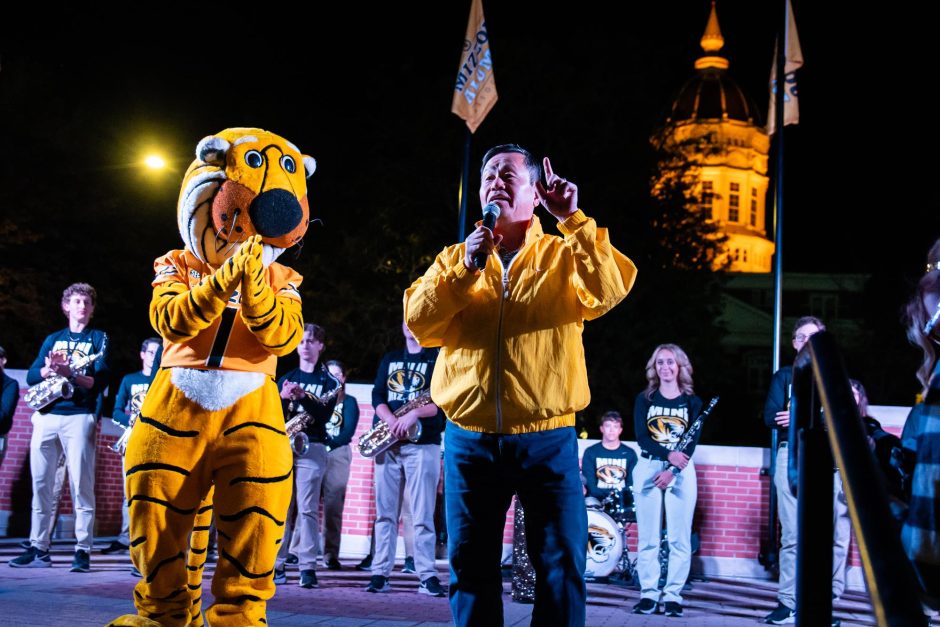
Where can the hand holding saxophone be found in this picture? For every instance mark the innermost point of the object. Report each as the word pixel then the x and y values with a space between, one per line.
pixel 291 391
pixel 56 364
pixel 401 426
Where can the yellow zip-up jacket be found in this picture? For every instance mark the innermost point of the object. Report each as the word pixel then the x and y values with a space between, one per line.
pixel 511 356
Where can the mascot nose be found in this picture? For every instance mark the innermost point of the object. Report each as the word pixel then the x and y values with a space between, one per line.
pixel 275 212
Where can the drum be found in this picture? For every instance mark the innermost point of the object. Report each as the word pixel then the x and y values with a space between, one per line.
pixel 605 544
pixel 619 506
pixel 592 503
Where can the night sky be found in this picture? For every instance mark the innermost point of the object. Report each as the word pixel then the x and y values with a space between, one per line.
pixel 368 95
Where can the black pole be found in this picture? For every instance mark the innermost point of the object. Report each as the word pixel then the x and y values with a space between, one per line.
pixel 464 178
pixel 837 434
pixel 814 499
pixel 780 61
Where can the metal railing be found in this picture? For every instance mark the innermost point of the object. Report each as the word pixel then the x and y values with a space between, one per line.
pixel 825 426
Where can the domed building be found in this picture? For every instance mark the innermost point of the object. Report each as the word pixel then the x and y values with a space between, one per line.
pixel 718 125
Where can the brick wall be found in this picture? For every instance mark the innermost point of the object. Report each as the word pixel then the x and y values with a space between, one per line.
pixel 730 517
pixel 16 486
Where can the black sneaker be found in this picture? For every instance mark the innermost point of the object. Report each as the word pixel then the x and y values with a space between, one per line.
pixel 291 559
pixel 32 558
pixel 308 579
pixel 115 547
pixel 25 544
pixel 645 606
pixel 673 609
pixel 333 564
pixel 378 583
pixel 431 586
pixel 280 575
pixel 780 616
pixel 81 562
pixel 409 565
pixel 365 564
pixel 135 572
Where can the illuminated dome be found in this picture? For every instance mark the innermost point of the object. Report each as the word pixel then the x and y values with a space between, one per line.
pixel 712 95
pixel 716 125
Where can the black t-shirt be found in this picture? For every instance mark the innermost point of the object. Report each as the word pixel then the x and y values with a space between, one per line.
pixel 403 376
pixel 317 383
pixel 660 422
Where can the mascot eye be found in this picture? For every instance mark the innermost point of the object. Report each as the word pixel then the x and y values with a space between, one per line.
pixel 289 164
pixel 254 159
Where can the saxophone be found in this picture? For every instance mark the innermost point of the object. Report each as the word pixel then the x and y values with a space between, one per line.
pixel 120 445
pixel 58 387
pixel 299 442
pixel 691 432
pixel 379 438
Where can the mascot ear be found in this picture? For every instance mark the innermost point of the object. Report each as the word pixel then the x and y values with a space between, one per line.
pixel 310 165
pixel 212 150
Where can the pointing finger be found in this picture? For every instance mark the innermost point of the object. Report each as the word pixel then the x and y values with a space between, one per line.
pixel 549 173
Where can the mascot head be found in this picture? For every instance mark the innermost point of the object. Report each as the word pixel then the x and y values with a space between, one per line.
pixel 244 181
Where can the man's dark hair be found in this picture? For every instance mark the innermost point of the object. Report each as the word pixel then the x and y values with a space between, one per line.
pixel 612 416
pixel 150 340
pixel 531 163
pixel 319 333
pixel 808 320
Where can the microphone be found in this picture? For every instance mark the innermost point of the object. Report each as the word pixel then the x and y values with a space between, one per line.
pixel 490 213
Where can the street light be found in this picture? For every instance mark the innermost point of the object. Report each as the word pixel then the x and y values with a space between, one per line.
pixel 155 162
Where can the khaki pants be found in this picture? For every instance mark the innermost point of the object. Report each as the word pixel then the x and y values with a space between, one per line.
pixel 309 470
pixel 53 435
pixel 786 511
pixel 334 499
pixel 421 465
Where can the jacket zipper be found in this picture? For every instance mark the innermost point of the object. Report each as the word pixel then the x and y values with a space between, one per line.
pixel 504 295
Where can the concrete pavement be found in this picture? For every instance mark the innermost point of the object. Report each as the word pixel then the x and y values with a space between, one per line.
pixel 55 596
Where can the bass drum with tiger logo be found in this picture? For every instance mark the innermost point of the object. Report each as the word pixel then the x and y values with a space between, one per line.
pixel 605 545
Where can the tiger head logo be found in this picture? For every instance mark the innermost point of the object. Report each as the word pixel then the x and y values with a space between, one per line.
pixel 406 382
pixel 600 543
pixel 244 181
pixel 666 430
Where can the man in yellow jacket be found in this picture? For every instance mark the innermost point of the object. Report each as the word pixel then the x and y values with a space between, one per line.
pixel 510 377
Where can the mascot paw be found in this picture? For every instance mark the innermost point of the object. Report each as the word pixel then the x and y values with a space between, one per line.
pixel 253 276
pixel 133 620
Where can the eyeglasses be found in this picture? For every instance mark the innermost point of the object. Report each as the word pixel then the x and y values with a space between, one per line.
pixel 800 337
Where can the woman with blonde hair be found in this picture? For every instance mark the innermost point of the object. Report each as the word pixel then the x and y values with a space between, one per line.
pixel 664 477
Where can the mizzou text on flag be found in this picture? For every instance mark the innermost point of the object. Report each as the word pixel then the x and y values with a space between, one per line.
pixel 794 60
pixel 475 89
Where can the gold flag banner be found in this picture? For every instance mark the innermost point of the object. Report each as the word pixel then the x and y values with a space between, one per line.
pixel 475 89
pixel 793 61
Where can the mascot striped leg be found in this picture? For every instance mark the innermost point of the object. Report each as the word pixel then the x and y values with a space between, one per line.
pixel 183 450
pixel 196 560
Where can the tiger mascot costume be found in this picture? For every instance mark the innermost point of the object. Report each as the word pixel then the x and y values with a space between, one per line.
pixel 212 417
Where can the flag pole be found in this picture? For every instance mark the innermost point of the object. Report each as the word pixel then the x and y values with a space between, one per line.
pixel 778 96
pixel 474 95
pixel 462 192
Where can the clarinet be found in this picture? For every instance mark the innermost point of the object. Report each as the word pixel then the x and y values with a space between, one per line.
pixel 691 432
